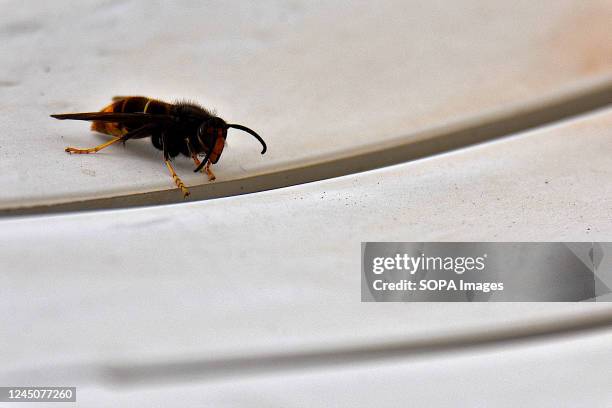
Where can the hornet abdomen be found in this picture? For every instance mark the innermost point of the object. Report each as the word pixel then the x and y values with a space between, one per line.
pixel 129 104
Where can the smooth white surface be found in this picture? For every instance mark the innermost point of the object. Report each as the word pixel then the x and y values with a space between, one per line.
pixel 279 271
pixel 317 80
pixel 567 372
pixel 555 372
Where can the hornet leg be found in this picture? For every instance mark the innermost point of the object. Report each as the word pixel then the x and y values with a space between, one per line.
pixel 140 132
pixel 177 180
pixel 196 160
pixel 198 163
pixel 93 149
pixel 211 175
pixel 206 169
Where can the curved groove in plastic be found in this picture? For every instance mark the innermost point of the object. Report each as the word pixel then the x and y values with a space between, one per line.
pixel 133 374
pixel 484 128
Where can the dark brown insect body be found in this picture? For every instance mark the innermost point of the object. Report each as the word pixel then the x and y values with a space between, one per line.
pixel 180 128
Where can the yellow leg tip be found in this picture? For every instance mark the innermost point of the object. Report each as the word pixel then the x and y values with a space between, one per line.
pixel 77 151
pixel 211 175
pixel 179 183
pixel 182 187
pixel 92 149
